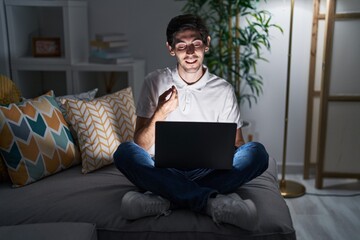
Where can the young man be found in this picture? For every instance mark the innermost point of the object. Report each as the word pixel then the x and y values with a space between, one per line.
pixel 188 92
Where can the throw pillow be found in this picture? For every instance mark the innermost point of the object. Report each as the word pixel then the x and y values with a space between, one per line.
pixel 101 125
pixel 9 93
pixel 87 96
pixel 4 176
pixel 35 140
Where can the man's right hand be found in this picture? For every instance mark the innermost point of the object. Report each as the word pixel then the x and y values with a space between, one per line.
pixel 168 102
pixel 144 134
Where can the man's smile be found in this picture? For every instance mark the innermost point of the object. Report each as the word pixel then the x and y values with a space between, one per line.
pixel 191 61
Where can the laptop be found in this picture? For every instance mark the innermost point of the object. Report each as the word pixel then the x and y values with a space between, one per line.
pixel 190 145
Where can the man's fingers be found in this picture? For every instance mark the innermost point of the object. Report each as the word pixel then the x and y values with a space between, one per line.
pixel 168 94
pixel 174 93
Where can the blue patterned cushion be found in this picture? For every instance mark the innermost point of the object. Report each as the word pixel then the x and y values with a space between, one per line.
pixel 35 140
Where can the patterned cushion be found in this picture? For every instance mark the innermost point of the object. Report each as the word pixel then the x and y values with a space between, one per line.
pixel 101 125
pixel 35 140
pixel 87 96
pixel 4 176
pixel 9 93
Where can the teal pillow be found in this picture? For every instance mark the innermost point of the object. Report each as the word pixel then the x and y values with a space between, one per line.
pixel 35 140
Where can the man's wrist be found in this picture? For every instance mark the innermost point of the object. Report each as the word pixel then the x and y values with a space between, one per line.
pixel 158 116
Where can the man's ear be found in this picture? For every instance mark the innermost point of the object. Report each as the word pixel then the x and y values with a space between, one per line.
pixel 171 51
pixel 208 44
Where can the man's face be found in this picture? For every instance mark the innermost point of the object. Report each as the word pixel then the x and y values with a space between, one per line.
pixel 189 51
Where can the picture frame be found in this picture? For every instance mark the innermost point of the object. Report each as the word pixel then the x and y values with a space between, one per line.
pixel 46 47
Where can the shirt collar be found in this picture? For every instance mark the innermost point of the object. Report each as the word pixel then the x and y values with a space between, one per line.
pixel 199 85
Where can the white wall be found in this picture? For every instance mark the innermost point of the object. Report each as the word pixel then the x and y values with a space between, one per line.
pixel 145 23
pixel 268 115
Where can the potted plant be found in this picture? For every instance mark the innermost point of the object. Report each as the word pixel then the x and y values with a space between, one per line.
pixel 239 31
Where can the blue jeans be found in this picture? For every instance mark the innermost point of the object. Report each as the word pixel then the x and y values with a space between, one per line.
pixel 190 189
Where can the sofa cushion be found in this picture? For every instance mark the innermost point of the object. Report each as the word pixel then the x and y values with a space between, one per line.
pixel 4 176
pixel 101 125
pixel 35 140
pixel 9 93
pixel 86 96
pixel 53 231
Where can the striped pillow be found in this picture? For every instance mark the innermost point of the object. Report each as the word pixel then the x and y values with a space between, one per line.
pixel 35 140
pixel 88 96
pixel 61 100
pixel 101 125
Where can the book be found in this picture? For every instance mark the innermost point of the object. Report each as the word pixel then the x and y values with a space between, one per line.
pixel 94 59
pixel 110 37
pixel 111 50
pixel 101 44
pixel 109 55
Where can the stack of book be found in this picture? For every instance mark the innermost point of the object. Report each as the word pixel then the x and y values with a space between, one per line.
pixel 110 48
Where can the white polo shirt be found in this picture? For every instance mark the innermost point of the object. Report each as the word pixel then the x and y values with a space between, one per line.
pixel 211 99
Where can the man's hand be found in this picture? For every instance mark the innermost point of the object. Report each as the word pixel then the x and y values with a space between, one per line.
pixel 168 102
pixel 145 128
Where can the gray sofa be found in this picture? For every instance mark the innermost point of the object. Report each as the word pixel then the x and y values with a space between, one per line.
pixel 70 196
pixel 49 231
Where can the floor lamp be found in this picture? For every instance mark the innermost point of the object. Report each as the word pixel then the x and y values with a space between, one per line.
pixel 289 188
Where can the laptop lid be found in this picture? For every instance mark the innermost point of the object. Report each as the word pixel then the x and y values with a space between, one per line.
pixel 190 145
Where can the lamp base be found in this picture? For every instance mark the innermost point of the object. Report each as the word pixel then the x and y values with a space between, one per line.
pixel 291 189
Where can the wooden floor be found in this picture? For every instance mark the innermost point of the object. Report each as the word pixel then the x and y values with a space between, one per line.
pixel 326 217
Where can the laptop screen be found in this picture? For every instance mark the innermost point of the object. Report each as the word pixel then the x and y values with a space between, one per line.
pixel 190 145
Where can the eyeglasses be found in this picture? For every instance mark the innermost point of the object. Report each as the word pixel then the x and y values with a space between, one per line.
pixel 184 46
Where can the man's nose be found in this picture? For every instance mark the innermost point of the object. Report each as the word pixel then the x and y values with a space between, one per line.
pixel 190 48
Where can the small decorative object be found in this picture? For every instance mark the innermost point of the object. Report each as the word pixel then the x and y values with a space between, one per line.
pixel 46 47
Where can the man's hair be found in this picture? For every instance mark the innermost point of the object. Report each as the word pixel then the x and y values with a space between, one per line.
pixel 186 22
